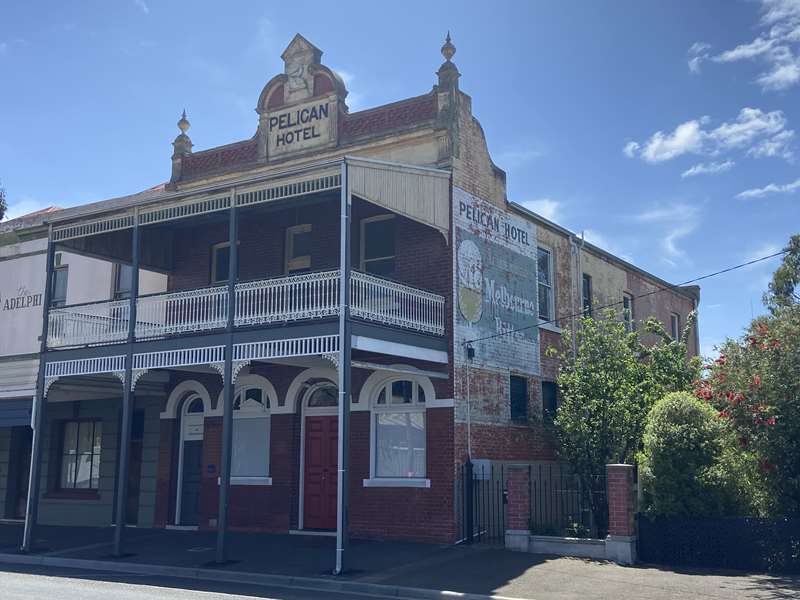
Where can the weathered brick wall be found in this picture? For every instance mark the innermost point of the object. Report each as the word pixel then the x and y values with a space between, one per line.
pixel 621 500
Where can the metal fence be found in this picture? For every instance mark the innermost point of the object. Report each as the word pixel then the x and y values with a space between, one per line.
pixel 744 543
pixel 558 504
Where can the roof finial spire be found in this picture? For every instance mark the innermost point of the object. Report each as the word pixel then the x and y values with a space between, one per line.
pixel 184 124
pixel 448 50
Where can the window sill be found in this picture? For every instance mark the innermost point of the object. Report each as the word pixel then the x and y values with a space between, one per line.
pixel 249 480
pixel 550 327
pixel 73 495
pixel 397 482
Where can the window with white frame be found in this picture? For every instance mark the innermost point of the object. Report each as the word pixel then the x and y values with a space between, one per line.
pixel 298 248
pixel 123 281
pixel 628 312
pixel 399 430
pixel 80 455
pixel 675 325
pixel 251 433
pixel 378 245
pixel 220 262
pixel 545 278
pixel 58 295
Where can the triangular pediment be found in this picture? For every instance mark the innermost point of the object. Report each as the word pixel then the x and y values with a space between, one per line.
pixel 300 46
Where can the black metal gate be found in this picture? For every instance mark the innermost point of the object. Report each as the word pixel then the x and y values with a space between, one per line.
pixel 481 503
pixel 558 505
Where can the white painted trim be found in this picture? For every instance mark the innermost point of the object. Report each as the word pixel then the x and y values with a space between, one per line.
pixel 312 533
pixel 550 327
pixel 250 481
pixel 379 378
pixel 292 404
pixel 440 403
pixel 182 441
pixel 245 381
pixel 397 349
pixel 397 482
pixel 180 391
pixel 182 527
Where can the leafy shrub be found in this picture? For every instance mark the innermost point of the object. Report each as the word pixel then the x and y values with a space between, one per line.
pixel 683 462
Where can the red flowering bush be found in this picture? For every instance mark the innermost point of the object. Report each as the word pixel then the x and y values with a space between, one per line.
pixel 754 386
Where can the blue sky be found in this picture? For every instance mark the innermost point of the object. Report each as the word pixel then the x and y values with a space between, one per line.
pixel 665 131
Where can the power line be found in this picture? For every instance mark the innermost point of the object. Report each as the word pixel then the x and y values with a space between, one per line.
pixel 612 304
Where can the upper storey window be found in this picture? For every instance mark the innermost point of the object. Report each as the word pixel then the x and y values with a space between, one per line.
pixel 545 278
pixel 378 245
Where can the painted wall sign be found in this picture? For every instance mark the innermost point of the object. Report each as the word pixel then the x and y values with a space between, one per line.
pixel 496 288
pixel 301 127
pixel 21 299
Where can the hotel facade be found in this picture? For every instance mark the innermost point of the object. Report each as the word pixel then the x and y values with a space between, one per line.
pixel 369 259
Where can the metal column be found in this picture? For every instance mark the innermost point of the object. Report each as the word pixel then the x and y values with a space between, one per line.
pixel 39 408
pixel 228 386
pixel 128 398
pixel 344 376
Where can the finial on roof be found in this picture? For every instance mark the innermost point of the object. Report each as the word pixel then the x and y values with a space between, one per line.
pixel 448 50
pixel 184 124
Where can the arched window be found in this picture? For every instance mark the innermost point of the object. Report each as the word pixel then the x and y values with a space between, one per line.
pixel 251 435
pixel 322 395
pixel 399 430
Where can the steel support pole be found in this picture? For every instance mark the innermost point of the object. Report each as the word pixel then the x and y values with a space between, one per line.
pixel 39 407
pixel 342 508
pixel 128 398
pixel 228 387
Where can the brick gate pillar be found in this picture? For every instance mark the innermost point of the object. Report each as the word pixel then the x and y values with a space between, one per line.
pixel 621 540
pixel 518 507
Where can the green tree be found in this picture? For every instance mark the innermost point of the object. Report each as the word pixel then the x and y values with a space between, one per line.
pixel 784 287
pixel 607 388
pixel 755 386
pixel 681 462
pixel 3 204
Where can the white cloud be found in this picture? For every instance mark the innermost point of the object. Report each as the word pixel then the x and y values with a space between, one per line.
pixel 771 188
pixel 598 239
pixel 355 100
pixel 671 212
pixel 776 46
pixel 630 149
pixel 23 206
pixel 686 138
pixel 698 52
pixel 756 132
pixel 710 168
pixel 513 159
pixel 143 5
pixel 675 222
pixel 547 207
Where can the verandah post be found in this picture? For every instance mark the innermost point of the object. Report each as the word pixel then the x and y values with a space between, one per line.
pixel 344 374
pixel 38 420
pixel 228 385
pixel 128 398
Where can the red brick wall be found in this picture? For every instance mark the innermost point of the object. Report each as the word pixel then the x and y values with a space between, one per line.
pixel 621 504
pixel 518 498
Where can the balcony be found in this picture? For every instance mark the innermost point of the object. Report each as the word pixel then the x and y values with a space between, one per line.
pixel 257 303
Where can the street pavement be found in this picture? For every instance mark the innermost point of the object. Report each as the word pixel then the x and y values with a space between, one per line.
pixel 36 583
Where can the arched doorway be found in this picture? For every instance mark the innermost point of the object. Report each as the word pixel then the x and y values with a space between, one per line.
pixel 319 461
pixel 190 461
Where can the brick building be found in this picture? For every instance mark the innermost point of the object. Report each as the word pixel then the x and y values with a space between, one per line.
pixel 453 297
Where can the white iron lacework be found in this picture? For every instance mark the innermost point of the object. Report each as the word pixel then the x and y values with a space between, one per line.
pixel 278 300
pixel 94 227
pixel 48 382
pixel 305 346
pixel 236 368
pixel 288 190
pixel 179 358
pixel 84 366
pixel 87 324
pixel 333 358
pixel 185 208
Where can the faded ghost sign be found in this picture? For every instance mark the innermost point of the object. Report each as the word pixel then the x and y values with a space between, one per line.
pixel 496 289
pixel 301 127
pixel 21 298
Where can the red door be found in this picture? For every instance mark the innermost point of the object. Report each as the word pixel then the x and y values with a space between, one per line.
pixel 321 452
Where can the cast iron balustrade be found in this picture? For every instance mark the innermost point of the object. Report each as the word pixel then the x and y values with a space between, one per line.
pixel 261 302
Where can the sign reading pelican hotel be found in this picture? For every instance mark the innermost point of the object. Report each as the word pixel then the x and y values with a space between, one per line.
pixel 302 127
pixel 496 289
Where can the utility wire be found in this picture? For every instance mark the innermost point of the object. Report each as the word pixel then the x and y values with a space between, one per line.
pixel 617 303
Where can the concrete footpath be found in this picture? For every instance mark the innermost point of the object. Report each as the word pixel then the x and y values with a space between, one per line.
pixel 389 569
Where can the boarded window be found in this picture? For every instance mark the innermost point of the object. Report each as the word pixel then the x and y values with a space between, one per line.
pixel 519 398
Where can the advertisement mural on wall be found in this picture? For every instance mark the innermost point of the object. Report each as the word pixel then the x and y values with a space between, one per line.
pixel 496 289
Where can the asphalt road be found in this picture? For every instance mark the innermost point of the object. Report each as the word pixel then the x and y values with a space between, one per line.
pixel 35 583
